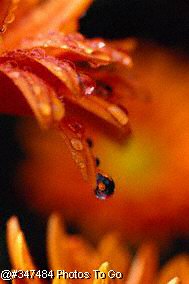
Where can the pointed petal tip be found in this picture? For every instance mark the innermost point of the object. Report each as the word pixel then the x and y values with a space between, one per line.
pixel 55 219
pixel 13 224
pixel 175 280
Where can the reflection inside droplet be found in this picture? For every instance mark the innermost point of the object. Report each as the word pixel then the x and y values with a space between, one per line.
pixel 105 186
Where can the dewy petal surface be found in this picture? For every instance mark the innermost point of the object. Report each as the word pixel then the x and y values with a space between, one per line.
pixel 37 19
pixel 51 73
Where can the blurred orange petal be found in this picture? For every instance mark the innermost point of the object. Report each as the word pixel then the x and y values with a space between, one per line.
pixel 176 267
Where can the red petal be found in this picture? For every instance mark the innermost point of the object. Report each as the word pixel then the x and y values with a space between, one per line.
pixel 40 96
pixel 48 15
pixel 48 109
pixel 73 135
pixel 47 67
pixel 62 70
pixel 76 47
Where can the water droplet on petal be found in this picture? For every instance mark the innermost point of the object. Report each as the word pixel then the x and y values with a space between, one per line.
pixel 15 75
pixel 87 84
pixel 37 90
pixel 118 114
pixel 105 186
pixel 88 50
pixel 75 127
pixel 45 109
pixel 89 142
pixel 10 18
pixel 3 29
pixel 64 46
pixel 97 161
pixel 77 144
pixel 101 44
pixel 58 109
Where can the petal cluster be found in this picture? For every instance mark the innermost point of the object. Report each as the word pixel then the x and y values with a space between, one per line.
pixel 74 253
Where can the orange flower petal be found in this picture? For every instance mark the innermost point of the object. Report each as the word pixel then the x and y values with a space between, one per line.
pixel 43 101
pixel 77 48
pixel 143 269
pixel 176 267
pixel 39 95
pixel 7 10
pixel 44 67
pixel 104 267
pixel 59 12
pixel 175 280
pixel 110 249
pixel 18 250
pixel 62 280
pixel 81 154
pixel 57 244
pixel 66 251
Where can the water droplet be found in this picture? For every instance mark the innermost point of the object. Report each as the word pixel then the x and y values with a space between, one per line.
pixel 45 109
pixel 97 161
pixel 10 18
pixel 89 142
pixel 75 127
pixel 118 114
pixel 37 90
pixel 87 84
pixel 101 44
pixel 58 109
pixel 3 29
pixel 37 53
pixel 88 50
pixel 64 46
pixel 15 75
pixel 77 144
pixel 105 186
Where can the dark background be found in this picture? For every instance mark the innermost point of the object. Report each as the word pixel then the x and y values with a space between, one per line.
pixel 165 22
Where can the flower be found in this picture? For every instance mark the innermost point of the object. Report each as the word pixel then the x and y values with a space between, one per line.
pixel 53 68
pixel 72 253
pixel 151 178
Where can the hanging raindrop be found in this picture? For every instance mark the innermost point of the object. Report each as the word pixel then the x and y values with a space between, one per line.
pixel 105 186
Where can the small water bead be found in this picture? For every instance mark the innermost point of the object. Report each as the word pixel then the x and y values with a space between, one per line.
pixel 101 44
pixel 64 46
pixel 3 29
pixel 88 85
pixel 77 144
pixel 58 109
pixel 88 50
pixel 118 114
pixel 37 90
pixel 75 127
pixel 89 90
pixel 10 18
pixel 45 109
pixel 15 75
pixel 89 142
pixel 105 186
pixel 97 161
